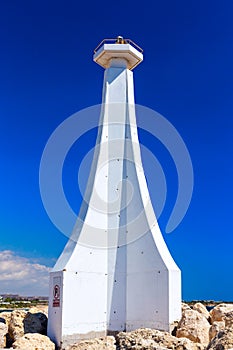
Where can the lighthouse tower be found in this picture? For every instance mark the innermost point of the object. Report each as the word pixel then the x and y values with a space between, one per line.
pixel 116 272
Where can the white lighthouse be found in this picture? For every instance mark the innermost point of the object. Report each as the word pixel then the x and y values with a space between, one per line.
pixel 116 272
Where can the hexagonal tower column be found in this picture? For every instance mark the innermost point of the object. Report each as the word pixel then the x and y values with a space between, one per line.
pixel 115 272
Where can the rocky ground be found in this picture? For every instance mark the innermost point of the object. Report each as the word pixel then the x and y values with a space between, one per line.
pixel 198 329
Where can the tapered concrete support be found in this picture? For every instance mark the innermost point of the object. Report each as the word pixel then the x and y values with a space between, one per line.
pixel 115 272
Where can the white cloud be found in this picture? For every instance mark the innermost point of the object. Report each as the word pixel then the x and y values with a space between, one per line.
pixel 19 275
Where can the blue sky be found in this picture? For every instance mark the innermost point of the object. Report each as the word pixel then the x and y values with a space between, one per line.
pixel 47 74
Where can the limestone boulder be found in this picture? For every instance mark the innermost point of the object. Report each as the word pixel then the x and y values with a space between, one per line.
pixel 202 309
pixel 3 332
pixel 218 312
pixel 149 339
pixel 215 328
pixel 184 307
pixel 35 323
pixel 194 326
pixel 39 308
pixel 103 343
pixel 222 341
pixel 33 341
pixel 16 325
pixel 5 317
pixel 229 320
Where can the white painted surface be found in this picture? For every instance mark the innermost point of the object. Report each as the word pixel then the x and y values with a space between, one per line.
pixel 120 51
pixel 117 272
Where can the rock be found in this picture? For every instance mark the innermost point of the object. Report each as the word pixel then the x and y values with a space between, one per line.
pixel 35 323
pixel 219 311
pixel 173 328
pixel 16 326
pixel 184 307
pixel 224 338
pixel 222 341
pixel 3 332
pixel 194 326
pixel 22 322
pixel 149 339
pixel 229 320
pixel 34 341
pixel 215 328
pixel 202 309
pixel 5 317
pixel 103 343
pixel 39 308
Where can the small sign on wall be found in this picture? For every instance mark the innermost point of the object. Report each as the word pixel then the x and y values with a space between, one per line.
pixel 56 291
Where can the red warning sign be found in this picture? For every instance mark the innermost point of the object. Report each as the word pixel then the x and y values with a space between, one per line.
pixel 56 296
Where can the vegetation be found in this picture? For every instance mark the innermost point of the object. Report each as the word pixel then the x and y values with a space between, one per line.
pixel 9 302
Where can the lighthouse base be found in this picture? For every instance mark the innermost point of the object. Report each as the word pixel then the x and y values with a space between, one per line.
pixel 120 295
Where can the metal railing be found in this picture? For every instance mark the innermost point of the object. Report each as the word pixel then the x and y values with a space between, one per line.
pixel 119 41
